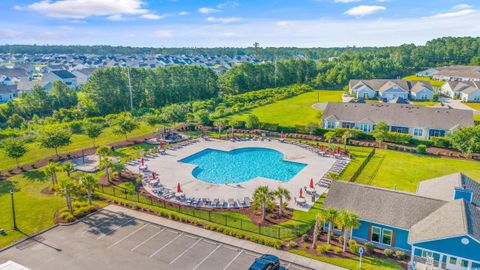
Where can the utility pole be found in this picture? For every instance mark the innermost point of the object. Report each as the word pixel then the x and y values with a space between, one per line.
pixel 130 88
pixel 13 211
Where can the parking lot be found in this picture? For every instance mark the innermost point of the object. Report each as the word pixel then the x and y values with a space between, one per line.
pixel 116 241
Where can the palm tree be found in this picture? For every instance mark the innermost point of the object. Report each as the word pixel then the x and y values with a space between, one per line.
pixel 346 136
pixel 103 152
pixel 319 220
pixel 282 193
pixel 330 217
pixel 329 136
pixel 347 221
pixel 262 197
pixel 51 170
pixel 68 188
pixel 68 167
pixel 89 183
pixel 118 168
pixel 106 163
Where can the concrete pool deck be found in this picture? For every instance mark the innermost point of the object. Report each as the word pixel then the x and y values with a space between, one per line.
pixel 171 171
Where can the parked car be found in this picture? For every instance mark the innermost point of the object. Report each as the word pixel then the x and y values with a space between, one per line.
pixel 267 262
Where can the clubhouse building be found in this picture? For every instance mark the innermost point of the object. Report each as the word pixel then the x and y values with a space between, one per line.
pixel 419 121
pixel 439 224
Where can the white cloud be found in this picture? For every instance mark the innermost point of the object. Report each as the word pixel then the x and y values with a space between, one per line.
pixel 205 10
pixel 151 16
pixel 223 20
pixel 364 10
pixel 456 11
pixel 346 1
pixel 228 4
pixel 116 18
pixel 183 13
pixel 283 23
pixel 163 33
pixel 80 9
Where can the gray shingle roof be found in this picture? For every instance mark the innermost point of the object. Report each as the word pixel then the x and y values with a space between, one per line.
pixel 379 205
pixel 442 188
pixel 452 219
pixel 383 84
pixel 400 114
pixel 64 74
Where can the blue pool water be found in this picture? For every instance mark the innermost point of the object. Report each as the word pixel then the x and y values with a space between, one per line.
pixel 241 165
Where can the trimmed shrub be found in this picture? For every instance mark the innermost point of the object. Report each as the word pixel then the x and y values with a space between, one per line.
pixel 305 237
pixel 354 248
pixel 370 247
pixel 400 254
pixel 352 242
pixel 340 239
pixel 337 249
pixel 322 249
pixel 440 142
pixel 292 244
pixel 388 252
pixel 421 149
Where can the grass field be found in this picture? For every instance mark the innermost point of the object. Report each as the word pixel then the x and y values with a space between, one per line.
pixel 475 106
pixel 434 83
pixel 79 141
pixel 293 111
pixel 34 210
pixel 426 103
pixel 404 170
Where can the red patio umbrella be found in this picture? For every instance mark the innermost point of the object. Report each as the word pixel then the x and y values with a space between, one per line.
pixel 154 175
pixel 161 145
pixel 282 135
pixel 311 183
pixel 301 193
pixel 143 162
pixel 179 189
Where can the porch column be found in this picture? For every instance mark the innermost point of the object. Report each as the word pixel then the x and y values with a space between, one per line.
pixel 412 255
pixel 440 261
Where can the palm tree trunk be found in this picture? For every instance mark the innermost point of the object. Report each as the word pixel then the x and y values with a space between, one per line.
pixel 329 232
pixel 16 161
pixel 345 239
pixel 53 180
pixel 264 209
pixel 280 206
pixel 89 195
pixel 315 233
pixel 107 173
pixel 69 203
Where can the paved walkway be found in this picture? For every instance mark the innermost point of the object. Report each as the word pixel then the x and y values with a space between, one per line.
pixel 284 255
pixel 457 104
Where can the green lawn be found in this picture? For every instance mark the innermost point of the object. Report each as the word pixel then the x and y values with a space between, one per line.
pixel 389 168
pixel 434 83
pixel 368 263
pixel 475 106
pixel 79 141
pixel 34 210
pixel 426 103
pixel 294 111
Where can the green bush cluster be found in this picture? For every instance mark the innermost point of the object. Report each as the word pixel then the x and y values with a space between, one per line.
pixel 400 254
pixel 421 149
pixel 370 247
pixel 388 252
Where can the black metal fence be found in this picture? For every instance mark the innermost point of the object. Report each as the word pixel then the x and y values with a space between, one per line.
pixel 362 166
pixel 220 218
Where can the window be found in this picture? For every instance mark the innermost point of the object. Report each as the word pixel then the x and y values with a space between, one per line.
pixel 387 237
pixel 417 132
pixel 376 231
pixel 464 263
pixel 453 260
pixel 330 124
pixel 399 129
pixel 365 128
pixel 436 133
pixel 427 254
pixel 348 125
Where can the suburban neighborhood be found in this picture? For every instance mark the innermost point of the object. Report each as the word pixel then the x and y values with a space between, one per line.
pixel 235 135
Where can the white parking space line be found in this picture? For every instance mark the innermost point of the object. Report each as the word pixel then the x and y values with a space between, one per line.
pixel 164 246
pixel 186 250
pixel 234 258
pixel 114 228
pixel 148 239
pixel 288 265
pixel 204 259
pixel 128 235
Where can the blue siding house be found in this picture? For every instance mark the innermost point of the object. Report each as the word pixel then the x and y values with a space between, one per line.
pixel 439 225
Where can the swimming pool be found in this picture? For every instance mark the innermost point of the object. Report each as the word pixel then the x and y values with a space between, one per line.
pixel 240 165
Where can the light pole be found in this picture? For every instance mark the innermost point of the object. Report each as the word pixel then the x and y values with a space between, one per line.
pixel 13 210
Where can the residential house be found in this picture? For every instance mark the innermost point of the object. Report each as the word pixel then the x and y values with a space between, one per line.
pixel 458 73
pixel 82 75
pixel 387 90
pixel 466 91
pixel 64 76
pixel 427 72
pixel 26 86
pixel 7 92
pixel 437 226
pixel 14 75
pixel 419 121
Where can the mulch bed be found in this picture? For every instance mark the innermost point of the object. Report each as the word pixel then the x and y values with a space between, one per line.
pixel 48 191
pixel 58 220
pixel 116 179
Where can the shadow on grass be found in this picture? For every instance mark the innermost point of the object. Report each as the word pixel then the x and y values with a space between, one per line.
pixel 36 175
pixel 6 186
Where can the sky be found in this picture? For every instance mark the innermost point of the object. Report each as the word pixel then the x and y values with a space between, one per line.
pixel 236 23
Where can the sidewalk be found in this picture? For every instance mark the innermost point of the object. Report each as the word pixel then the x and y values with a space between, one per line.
pixel 216 236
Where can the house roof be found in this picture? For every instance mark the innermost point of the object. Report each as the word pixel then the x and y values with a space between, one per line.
pixel 382 85
pixel 460 71
pixel 13 72
pixel 379 205
pixel 400 114
pixel 454 218
pixel 8 89
pixel 420 86
pixel 443 188
pixel 64 74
